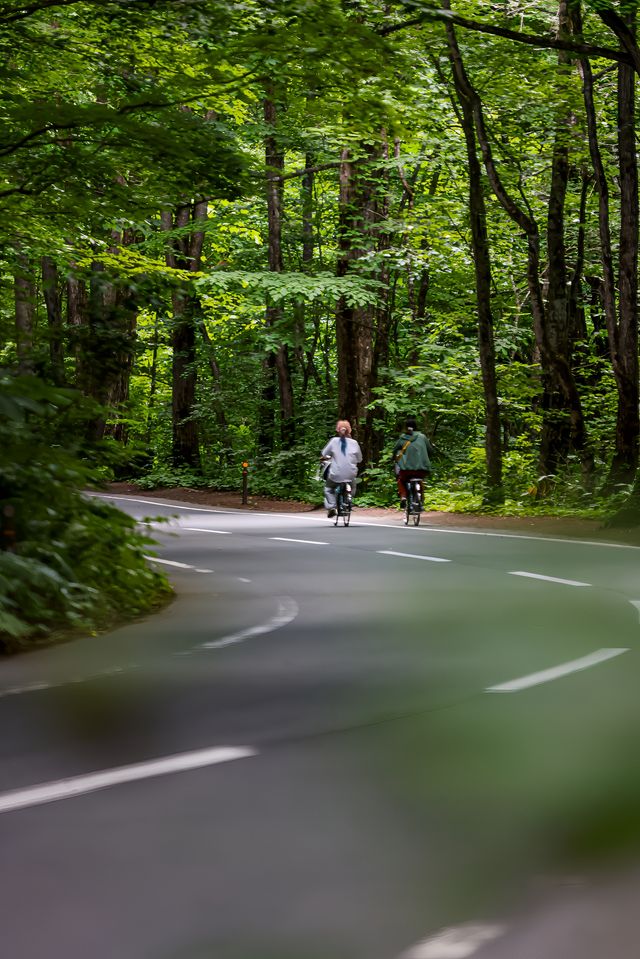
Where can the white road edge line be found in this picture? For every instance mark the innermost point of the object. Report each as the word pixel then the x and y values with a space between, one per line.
pixel 295 517
pixel 429 559
pixel 91 782
pixel 556 672
pixel 310 542
pixel 456 942
pixel 548 579
pixel 287 612
pixel 162 502
pixel 169 562
pixel 636 603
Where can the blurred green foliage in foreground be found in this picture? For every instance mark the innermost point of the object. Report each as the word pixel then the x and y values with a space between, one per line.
pixel 69 562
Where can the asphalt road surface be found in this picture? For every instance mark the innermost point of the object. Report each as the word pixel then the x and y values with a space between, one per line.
pixel 363 743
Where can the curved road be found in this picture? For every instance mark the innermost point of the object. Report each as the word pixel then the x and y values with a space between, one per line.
pixel 357 743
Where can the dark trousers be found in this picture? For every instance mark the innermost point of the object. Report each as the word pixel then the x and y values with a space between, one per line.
pixel 405 475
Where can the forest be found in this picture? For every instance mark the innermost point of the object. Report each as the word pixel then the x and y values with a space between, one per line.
pixel 227 223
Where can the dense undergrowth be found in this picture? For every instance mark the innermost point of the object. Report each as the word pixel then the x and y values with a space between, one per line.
pixel 452 487
pixel 70 562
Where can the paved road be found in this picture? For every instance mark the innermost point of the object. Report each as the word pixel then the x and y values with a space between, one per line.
pixel 360 743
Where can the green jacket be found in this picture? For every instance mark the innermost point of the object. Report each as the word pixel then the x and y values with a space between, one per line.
pixel 415 455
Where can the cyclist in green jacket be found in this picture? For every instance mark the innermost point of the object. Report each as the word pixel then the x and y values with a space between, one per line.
pixel 411 457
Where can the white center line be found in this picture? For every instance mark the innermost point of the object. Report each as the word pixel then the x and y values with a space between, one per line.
pixel 548 579
pixel 78 785
pixel 287 612
pixel 556 672
pixel 429 559
pixel 310 542
pixel 196 529
pixel 457 942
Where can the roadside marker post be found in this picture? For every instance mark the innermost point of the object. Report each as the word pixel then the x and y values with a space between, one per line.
pixel 245 483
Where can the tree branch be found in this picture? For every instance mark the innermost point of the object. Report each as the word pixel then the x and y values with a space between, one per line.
pixel 309 169
pixel 551 43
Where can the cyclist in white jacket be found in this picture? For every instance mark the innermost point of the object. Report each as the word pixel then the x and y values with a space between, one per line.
pixel 343 454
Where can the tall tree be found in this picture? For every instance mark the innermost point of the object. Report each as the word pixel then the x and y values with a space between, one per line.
pixel 278 359
pixel 482 264
pixel 186 255
pixel 621 317
pixel 563 414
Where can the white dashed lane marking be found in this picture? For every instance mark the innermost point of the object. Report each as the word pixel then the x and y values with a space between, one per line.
pixel 287 612
pixel 548 579
pixel 309 542
pixel 556 672
pixel 458 942
pixel 91 782
pixel 196 529
pixel 429 559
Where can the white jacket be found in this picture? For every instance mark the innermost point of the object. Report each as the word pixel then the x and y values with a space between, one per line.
pixel 343 466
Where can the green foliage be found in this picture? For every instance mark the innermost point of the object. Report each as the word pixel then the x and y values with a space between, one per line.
pixel 116 115
pixel 78 563
pixel 166 476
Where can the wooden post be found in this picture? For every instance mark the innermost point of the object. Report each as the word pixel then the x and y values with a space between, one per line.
pixel 245 482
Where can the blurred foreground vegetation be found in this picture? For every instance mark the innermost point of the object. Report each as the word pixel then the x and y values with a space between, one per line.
pixel 71 562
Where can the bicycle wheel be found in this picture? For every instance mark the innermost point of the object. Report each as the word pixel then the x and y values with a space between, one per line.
pixel 407 512
pixel 336 519
pixel 417 504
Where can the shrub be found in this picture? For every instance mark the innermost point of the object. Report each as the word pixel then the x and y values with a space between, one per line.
pixel 70 561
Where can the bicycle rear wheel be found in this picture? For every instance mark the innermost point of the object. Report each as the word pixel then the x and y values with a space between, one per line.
pixel 339 502
pixel 419 504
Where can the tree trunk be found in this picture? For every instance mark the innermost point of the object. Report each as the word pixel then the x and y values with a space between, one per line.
pixel 121 316
pixel 77 322
pixel 354 324
pixel 53 302
pixel 24 299
pixel 186 255
pixel 482 264
pixel 153 380
pixel 625 460
pixel 185 448
pixel 562 401
pixel 373 436
pixel 105 334
pixel 274 317
pixel 622 331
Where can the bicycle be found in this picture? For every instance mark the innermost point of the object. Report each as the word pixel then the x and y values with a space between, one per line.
pixel 415 501
pixel 343 504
